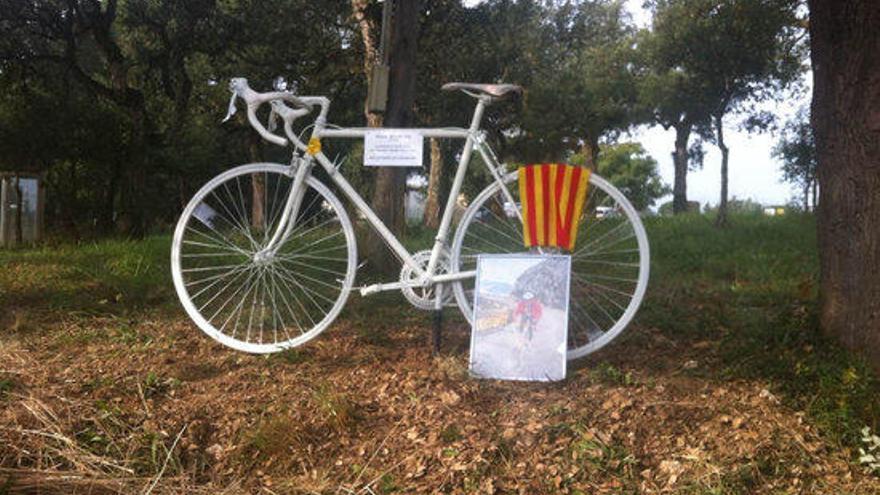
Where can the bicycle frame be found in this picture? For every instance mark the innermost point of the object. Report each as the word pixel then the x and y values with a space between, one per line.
pixel 473 140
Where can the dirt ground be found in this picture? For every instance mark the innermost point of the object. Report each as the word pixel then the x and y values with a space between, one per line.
pixel 93 404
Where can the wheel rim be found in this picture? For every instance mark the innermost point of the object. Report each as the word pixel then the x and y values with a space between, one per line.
pixel 245 296
pixel 609 266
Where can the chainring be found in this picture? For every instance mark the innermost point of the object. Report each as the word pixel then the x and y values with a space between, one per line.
pixel 424 297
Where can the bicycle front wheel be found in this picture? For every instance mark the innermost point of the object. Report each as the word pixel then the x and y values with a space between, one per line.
pixel 253 299
pixel 609 265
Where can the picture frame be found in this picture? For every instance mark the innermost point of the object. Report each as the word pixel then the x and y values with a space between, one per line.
pixel 520 321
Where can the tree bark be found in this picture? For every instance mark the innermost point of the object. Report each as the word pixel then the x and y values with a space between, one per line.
pixel 845 53
pixel 680 160
pixel 388 195
pixel 137 175
pixel 590 149
pixel 432 202
pixel 107 216
pixel 258 185
pixel 721 219
pixel 371 54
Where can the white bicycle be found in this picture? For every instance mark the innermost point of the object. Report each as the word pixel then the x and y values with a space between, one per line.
pixel 264 255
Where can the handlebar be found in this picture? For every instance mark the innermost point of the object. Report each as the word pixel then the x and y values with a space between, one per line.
pixel 302 106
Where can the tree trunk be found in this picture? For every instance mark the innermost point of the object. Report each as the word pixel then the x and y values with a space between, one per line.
pixel 366 25
pixel 258 186
pixel 845 52
pixel 590 149
pixel 432 202
pixel 680 160
pixel 721 219
pixel 106 218
pixel 258 193
pixel 388 195
pixel 137 176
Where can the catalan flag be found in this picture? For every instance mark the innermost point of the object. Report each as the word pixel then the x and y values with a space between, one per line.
pixel 552 196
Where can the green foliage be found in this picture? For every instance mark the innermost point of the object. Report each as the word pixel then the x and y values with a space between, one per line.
pixel 796 150
pixel 582 82
pixel 738 206
pixel 693 207
pixel 704 59
pixel 119 102
pixel 629 167
pixel 135 106
pixel 721 55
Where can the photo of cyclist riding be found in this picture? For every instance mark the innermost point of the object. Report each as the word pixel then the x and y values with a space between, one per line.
pixel 520 329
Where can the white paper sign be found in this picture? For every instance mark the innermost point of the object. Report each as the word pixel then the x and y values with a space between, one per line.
pixel 393 148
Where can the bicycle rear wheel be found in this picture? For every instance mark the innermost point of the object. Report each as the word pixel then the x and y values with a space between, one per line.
pixel 239 294
pixel 609 265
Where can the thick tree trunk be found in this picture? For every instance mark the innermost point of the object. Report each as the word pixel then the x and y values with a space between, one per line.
pixel 432 202
pixel 680 160
pixel 721 219
pixel 388 195
pixel 845 39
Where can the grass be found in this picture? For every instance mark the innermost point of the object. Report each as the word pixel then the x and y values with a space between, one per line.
pixel 108 277
pixel 751 290
pixel 739 303
pixel 7 386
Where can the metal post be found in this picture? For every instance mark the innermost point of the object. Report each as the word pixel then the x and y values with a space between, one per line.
pixel 4 237
pixel 377 99
pixel 436 331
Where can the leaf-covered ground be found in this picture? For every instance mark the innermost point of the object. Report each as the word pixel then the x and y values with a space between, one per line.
pixel 721 386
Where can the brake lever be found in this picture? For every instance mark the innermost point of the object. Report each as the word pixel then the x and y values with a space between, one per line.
pixel 231 111
pixel 273 120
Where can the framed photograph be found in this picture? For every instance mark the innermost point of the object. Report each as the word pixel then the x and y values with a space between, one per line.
pixel 520 329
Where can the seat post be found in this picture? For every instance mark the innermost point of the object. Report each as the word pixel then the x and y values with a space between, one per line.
pixel 482 102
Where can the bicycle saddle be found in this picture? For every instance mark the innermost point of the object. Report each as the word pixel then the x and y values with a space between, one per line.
pixel 493 90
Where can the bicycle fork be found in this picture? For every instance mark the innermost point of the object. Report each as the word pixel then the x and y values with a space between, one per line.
pixel 291 210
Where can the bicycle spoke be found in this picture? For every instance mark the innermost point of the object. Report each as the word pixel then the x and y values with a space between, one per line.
pixel 284 298
pixel 240 217
pixel 285 281
pixel 218 293
pixel 305 289
pixel 218 242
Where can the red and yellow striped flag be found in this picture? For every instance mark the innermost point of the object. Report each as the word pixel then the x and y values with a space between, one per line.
pixel 552 196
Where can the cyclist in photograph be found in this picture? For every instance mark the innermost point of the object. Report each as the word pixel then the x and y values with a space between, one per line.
pixel 529 310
